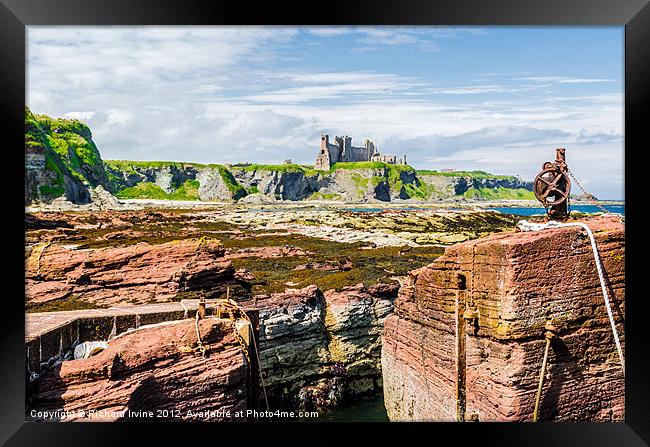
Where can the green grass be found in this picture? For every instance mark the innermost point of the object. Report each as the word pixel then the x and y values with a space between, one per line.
pixel 231 183
pixel 360 182
pixel 184 192
pixel 129 166
pixel 70 152
pixel 49 191
pixel 472 174
pixel 499 194
pixel 38 135
pixel 147 190
pixel 391 174
pixel 358 165
pixel 421 191
pixel 325 196
pixel 70 142
pixel 305 169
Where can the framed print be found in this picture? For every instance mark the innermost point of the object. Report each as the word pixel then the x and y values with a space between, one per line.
pixel 416 215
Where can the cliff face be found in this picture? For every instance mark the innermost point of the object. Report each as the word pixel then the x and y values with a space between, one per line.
pixel 480 312
pixel 318 349
pixel 481 186
pixel 173 181
pixel 61 160
pixel 351 182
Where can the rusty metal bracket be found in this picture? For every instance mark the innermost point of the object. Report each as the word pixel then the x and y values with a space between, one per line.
pixel 552 186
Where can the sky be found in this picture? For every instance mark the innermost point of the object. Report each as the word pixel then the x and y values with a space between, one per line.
pixel 497 99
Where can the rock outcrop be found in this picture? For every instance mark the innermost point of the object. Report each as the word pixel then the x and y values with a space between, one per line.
pixel 154 373
pixel 62 161
pixel 136 274
pixel 450 186
pixel 318 349
pixel 278 184
pixel 514 284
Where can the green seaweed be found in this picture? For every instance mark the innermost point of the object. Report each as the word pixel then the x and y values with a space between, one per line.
pixel 67 303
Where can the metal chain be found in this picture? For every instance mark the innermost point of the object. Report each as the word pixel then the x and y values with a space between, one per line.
pixel 240 339
pixel 589 196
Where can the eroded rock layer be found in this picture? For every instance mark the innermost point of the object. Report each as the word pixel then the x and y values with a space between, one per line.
pixel 155 371
pixel 317 349
pixel 135 274
pixel 517 283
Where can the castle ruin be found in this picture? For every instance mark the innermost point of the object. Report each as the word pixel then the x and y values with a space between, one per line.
pixel 343 151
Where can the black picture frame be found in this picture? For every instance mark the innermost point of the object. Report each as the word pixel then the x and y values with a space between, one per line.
pixel 15 15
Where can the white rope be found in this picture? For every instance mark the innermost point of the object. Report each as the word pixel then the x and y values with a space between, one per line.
pixel 524 225
pixel 185 310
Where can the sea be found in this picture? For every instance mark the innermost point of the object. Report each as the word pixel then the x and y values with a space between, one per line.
pixel 519 211
pixel 362 410
pixel 620 209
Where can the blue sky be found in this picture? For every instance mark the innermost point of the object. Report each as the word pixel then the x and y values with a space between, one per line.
pixel 498 99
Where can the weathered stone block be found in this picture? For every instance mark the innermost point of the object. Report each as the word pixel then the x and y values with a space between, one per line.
pixel 515 283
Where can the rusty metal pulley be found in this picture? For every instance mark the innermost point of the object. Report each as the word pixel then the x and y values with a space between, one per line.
pixel 552 186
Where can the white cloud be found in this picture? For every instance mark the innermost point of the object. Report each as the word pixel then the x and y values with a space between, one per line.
pixel 81 116
pixel 219 94
pixel 328 31
pixel 471 90
pixel 562 79
pixel 373 38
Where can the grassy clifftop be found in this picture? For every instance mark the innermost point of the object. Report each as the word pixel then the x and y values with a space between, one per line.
pixel 71 140
pixel 66 148
pixel 470 174
pixel 61 158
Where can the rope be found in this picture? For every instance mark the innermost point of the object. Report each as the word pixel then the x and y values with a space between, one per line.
pixel 231 305
pixel 185 310
pixel 531 226
pixel 201 348
pixel 550 334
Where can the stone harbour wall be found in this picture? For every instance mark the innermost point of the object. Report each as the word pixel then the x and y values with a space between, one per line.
pixel 154 371
pixel 515 284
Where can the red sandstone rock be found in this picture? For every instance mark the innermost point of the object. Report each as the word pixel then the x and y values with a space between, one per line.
pixel 154 368
pixel 517 282
pixel 139 273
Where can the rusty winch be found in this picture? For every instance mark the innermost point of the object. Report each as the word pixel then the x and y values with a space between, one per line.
pixel 552 186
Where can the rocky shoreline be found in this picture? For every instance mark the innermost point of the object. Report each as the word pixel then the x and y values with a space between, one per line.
pixel 323 280
pixel 103 200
